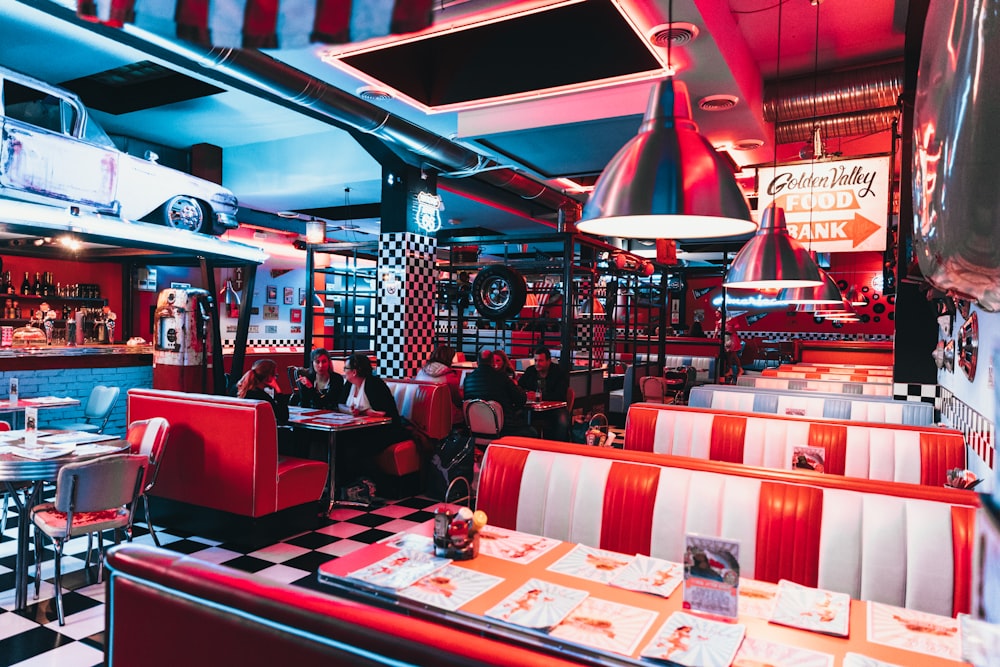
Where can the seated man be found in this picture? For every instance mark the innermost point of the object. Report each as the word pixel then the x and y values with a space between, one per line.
pixel 489 384
pixel 549 383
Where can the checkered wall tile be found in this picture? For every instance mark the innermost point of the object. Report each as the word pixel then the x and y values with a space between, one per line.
pixel 980 432
pixel 405 335
pixel 794 335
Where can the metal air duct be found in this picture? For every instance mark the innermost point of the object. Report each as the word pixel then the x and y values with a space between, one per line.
pixel 846 125
pixel 835 93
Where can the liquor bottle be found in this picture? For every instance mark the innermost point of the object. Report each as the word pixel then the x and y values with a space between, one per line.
pixel 36 289
pixel 11 289
pixel 26 285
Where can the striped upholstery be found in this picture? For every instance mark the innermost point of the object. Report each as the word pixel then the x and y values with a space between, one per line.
pixel 879 409
pixel 829 386
pixel 824 375
pixel 912 454
pixel 899 544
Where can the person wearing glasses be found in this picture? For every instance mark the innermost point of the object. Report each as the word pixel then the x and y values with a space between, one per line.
pixel 365 394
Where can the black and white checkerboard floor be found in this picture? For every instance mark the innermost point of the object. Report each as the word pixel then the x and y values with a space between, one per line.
pixel 33 638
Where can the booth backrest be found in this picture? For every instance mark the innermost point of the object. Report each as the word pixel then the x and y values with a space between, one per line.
pixel 849 369
pixel 838 376
pixel 620 399
pixel 912 454
pixel 879 409
pixel 900 544
pixel 223 454
pixel 230 617
pixel 826 386
pixel 425 405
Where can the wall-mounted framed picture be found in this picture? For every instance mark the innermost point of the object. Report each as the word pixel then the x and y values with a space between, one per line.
pixel 302 296
pixel 295 329
pixel 295 315
pixel 272 294
pixel 289 295
pixel 270 312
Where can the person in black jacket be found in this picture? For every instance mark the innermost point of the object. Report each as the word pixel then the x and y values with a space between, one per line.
pixel 319 387
pixel 365 395
pixel 489 384
pixel 549 383
pixel 261 383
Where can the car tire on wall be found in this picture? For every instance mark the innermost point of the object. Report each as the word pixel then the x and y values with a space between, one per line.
pixel 185 212
pixel 499 292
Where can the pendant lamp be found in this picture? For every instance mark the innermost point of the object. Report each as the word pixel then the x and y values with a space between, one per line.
pixel 667 181
pixel 855 297
pixel 772 259
pixel 826 293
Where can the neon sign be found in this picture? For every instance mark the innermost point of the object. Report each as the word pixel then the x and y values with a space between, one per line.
pixel 428 212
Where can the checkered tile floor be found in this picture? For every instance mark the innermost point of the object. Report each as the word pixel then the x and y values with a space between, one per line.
pixel 34 638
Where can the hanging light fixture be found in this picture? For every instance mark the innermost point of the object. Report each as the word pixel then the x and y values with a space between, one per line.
pixel 826 293
pixel 667 181
pixel 772 259
pixel 855 297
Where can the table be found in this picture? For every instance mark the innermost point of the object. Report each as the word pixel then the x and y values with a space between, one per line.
pixel 543 406
pixel 330 422
pixel 17 469
pixel 39 402
pixel 470 616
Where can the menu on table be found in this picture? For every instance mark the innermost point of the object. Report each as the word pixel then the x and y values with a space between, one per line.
pixel 649 575
pixel 74 437
pixel 858 660
pixel 756 652
pixel 538 604
pixel 914 631
pixel 980 640
pixel 812 609
pixel 606 625
pixel 591 564
pixel 41 452
pixel 694 641
pixel 412 541
pixel 450 587
pixel 400 570
pixel 757 598
pixel 512 545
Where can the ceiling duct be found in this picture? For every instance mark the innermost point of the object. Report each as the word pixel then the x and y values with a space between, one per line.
pixel 835 93
pixel 252 71
pixel 847 125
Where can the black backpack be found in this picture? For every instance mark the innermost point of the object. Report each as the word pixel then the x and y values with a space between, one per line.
pixel 454 457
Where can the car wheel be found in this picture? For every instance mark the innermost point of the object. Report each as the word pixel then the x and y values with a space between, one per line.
pixel 499 292
pixel 184 212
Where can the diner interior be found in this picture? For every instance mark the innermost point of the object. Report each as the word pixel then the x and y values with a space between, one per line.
pixel 755 237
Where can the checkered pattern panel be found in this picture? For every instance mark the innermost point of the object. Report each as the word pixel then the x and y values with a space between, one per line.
pixel 405 335
pixel 794 335
pixel 918 393
pixel 590 338
pixel 980 432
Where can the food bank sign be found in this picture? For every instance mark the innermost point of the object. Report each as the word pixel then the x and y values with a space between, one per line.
pixel 831 206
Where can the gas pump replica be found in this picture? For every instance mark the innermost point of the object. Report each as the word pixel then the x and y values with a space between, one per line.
pixel 181 332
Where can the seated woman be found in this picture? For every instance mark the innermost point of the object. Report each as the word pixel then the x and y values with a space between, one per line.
pixel 261 383
pixel 365 395
pixel 319 387
pixel 502 363
pixel 439 371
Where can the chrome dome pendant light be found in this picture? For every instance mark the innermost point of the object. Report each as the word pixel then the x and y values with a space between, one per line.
pixel 825 293
pixel 667 181
pixel 772 259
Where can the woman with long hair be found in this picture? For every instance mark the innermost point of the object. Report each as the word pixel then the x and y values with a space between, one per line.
pixel 261 383
pixel 319 386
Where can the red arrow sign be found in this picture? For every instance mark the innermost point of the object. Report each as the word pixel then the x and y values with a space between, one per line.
pixel 860 228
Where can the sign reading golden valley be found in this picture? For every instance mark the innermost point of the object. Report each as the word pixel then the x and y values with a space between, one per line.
pixel 839 206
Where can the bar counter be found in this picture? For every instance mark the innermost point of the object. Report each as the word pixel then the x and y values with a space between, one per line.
pixel 81 356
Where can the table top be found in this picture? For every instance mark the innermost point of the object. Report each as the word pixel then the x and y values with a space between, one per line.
pixel 39 402
pixel 331 420
pixel 57 448
pixel 542 406
pixel 551 562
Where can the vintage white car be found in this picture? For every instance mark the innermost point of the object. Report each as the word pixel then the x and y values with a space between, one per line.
pixel 53 152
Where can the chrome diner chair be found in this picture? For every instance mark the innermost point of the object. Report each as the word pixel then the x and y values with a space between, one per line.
pixel 147 437
pixel 97 411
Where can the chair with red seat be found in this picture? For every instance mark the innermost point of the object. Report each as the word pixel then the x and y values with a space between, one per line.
pixel 91 497
pixel 148 437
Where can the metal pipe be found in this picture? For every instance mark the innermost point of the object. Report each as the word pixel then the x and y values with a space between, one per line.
pixel 835 93
pixel 847 125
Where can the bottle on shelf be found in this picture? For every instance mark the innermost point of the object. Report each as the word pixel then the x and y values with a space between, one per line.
pixel 9 282
pixel 26 285
pixel 36 289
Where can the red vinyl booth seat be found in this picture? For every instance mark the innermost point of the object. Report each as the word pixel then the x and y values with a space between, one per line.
pixel 426 407
pixel 222 453
pixel 901 544
pixel 210 614
pixel 891 452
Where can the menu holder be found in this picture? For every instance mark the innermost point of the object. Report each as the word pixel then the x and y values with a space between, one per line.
pixel 686 639
pixel 808 457
pixel 711 575
pixel 538 604
pixel 813 609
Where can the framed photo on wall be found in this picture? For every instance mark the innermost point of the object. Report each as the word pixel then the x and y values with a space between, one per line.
pixel 295 315
pixel 272 294
pixel 289 295
pixel 302 296
pixel 270 312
